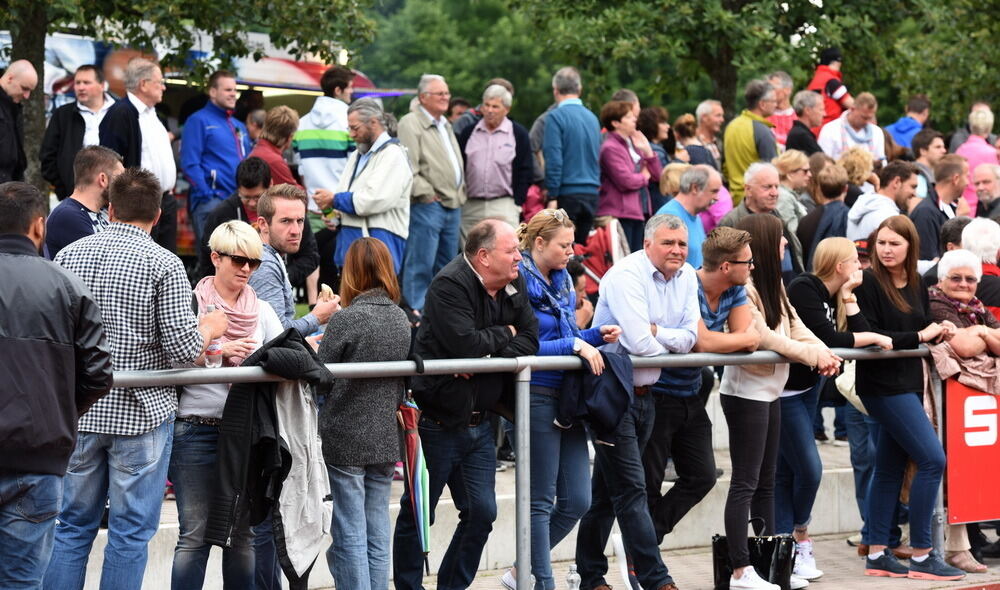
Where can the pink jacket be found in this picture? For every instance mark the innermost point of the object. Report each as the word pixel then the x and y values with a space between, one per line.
pixel 977 151
pixel 619 195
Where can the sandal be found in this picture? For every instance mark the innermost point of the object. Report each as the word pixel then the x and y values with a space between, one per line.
pixel 964 561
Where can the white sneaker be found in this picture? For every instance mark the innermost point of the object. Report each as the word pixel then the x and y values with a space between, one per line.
pixel 797 583
pixel 751 581
pixel 805 561
pixel 508 581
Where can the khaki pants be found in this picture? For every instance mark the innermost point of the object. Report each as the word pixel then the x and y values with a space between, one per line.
pixel 476 210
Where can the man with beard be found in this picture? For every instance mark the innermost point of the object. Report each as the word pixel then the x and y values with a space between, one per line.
pixel 85 211
pixel 373 195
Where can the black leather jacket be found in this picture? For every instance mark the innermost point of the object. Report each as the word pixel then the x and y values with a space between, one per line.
pixel 54 358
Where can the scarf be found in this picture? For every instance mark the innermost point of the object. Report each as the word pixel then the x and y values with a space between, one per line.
pixel 242 317
pixel 556 298
pixel 974 311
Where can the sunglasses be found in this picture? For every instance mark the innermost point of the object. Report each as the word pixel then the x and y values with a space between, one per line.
pixel 241 261
pixel 971 280
pixel 559 214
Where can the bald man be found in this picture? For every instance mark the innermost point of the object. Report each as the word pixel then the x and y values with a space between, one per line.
pixel 17 83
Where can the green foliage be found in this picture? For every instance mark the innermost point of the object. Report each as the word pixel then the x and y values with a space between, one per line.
pixel 466 42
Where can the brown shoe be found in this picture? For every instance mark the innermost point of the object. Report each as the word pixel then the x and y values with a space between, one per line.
pixel 964 561
pixel 862 550
pixel 668 587
pixel 903 552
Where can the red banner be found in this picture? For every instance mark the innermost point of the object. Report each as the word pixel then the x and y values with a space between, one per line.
pixel 973 448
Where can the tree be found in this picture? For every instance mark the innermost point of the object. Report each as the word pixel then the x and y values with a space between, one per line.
pixel 320 27
pixel 727 41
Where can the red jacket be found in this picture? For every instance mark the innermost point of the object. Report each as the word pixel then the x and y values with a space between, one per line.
pixel 280 172
pixel 833 106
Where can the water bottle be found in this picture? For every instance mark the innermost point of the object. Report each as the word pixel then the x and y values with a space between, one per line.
pixel 572 578
pixel 213 354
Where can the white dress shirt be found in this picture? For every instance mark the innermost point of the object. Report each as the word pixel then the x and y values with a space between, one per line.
pixel 92 120
pixel 634 294
pixel 157 156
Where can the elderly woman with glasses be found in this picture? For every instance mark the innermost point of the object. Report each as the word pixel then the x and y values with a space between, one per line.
pixel 236 254
pixel 954 299
pixel 794 174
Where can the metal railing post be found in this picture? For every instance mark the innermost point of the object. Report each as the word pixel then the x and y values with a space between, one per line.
pixel 938 523
pixel 522 471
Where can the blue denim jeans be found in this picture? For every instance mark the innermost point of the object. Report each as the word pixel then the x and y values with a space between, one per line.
pixel 432 243
pixel 560 483
pixel 129 472
pixel 194 475
pixel 839 423
pixel 619 491
pixel 903 432
pixel 465 460
pixel 799 466
pixel 29 504
pixel 267 570
pixel 359 555
pixel 199 216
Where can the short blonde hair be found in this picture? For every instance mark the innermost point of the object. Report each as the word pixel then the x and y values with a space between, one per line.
pixel 280 123
pixel 670 178
pixel 790 161
pixel 236 236
pixel 981 122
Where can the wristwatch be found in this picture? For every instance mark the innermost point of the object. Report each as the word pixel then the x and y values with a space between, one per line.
pixel 577 345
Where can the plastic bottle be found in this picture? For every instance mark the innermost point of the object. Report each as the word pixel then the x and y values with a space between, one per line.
pixel 572 578
pixel 213 354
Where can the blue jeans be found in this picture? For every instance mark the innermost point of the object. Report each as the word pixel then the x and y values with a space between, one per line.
pixel 267 570
pixel 432 243
pixel 619 491
pixel 862 457
pixel 839 424
pixel 359 555
pixel 799 466
pixel 465 460
pixel 128 472
pixel 560 483
pixel 29 504
pixel 199 215
pixel 194 475
pixel 903 432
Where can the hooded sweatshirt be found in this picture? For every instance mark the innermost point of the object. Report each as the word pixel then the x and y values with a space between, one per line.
pixel 322 144
pixel 867 213
pixel 904 129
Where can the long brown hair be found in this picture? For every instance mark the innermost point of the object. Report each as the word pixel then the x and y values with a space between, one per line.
pixel 902 225
pixel 765 239
pixel 368 265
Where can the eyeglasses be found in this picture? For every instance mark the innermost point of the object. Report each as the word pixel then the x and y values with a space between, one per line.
pixel 559 215
pixel 156 82
pixel 439 94
pixel 746 262
pixel 971 280
pixel 241 261
pixel 250 198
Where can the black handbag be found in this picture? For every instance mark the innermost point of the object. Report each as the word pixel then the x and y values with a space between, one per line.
pixel 773 557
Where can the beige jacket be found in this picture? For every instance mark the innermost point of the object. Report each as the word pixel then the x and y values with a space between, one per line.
pixel 433 174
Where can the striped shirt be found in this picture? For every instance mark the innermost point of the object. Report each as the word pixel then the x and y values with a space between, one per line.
pixel 145 300
pixel 685 381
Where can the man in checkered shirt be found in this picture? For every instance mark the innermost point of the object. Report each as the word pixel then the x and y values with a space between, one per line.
pixel 123 447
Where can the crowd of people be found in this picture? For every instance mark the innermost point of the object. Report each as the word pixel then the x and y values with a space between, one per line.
pixel 800 226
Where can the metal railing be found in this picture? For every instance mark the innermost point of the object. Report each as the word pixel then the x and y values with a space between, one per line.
pixel 521 367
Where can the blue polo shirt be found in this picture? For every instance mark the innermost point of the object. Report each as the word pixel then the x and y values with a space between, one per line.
pixel 696 231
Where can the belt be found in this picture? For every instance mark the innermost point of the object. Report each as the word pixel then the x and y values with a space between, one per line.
pixel 641 390
pixel 474 420
pixel 200 420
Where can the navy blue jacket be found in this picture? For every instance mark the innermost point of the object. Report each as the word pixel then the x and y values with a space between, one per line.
pixel 601 400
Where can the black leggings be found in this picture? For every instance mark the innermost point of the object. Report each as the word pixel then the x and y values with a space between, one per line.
pixel 754 429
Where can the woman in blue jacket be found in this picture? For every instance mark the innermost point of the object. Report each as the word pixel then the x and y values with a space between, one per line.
pixel 560 465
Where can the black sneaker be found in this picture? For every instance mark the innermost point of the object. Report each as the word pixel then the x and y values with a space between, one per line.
pixel 933 568
pixel 886 566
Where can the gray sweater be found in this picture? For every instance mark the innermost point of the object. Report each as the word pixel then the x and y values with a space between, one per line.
pixel 358 421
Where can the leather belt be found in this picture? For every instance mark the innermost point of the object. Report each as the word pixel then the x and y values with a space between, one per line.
pixel 200 420
pixel 641 390
pixel 476 419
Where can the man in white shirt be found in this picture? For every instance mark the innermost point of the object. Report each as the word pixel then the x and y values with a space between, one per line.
pixel 855 128
pixel 72 127
pixel 653 296
pixel 131 128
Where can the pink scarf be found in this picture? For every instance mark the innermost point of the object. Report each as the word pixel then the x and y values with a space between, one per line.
pixel 242 317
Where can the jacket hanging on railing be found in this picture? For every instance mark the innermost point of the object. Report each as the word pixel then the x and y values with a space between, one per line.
pixel 601 400
pixel 270 456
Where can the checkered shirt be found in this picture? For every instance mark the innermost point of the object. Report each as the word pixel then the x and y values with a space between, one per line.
pixel 145 299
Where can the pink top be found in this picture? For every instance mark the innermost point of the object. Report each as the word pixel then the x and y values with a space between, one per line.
pixel 489 159
pixel 782 121
pixel 621 179
pixel 977 151
pixel 711 217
